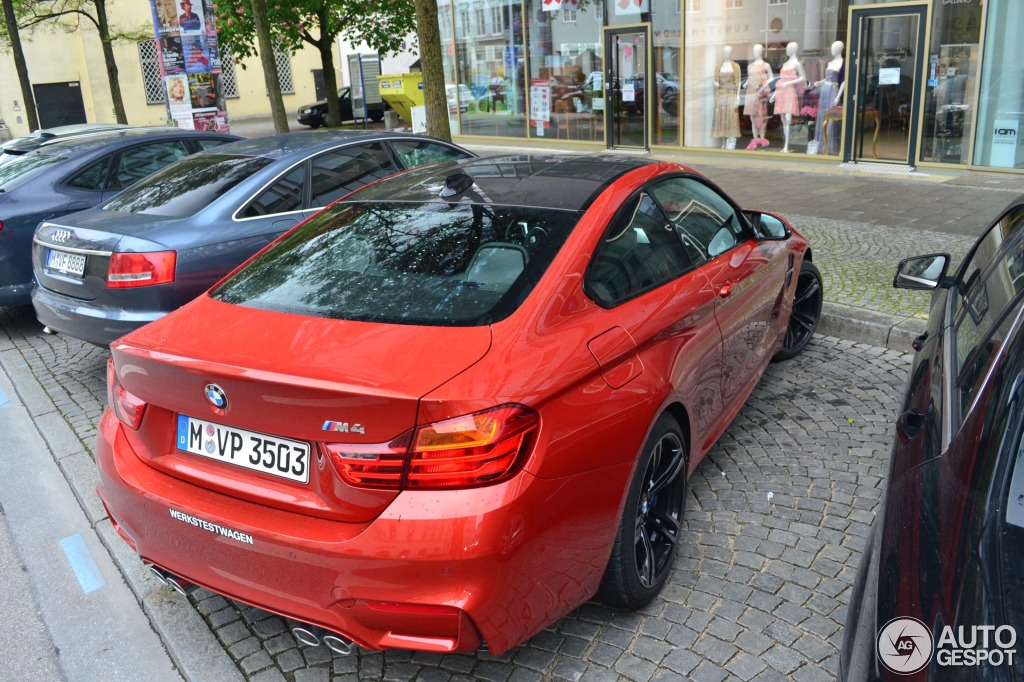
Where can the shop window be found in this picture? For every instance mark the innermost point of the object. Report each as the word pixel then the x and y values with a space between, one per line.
pixel 1001 100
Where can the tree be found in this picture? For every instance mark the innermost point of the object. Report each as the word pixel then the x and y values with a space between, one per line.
pixel 14 39
pixel 67 14
pixel 270 76
pixel 432 62
pixel 319 23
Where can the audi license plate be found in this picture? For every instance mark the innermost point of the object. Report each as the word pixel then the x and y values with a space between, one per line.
pixel 256 451
pixel 67 263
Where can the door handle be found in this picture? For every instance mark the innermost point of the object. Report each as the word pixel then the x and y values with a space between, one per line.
pixel 909 425
pixel 726 289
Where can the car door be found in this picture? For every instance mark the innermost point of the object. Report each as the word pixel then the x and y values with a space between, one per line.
pixel 414 152
pixel 136 162
pixel 335 173
pixel 660 313
pixel 748 276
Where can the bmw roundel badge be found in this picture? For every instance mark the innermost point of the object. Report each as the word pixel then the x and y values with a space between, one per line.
pixel 217 397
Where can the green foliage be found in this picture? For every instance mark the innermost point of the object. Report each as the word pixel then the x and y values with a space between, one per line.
pixel 381 24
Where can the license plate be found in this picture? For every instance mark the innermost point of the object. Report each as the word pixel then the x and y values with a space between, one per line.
pixel 68 263
pixel 248 449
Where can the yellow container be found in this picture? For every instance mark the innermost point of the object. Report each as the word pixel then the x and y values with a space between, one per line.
pixel 402 91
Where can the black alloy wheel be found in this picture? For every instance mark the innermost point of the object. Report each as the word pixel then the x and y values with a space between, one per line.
pixel 803 319
pixel 648 535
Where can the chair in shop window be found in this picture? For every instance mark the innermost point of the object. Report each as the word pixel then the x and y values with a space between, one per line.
pixel 562 120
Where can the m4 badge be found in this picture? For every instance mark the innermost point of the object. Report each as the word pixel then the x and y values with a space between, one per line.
pixel 344 427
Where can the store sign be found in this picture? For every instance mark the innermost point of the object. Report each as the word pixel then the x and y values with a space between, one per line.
pixel 1005 137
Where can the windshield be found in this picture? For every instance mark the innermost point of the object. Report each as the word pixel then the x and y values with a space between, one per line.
pixel 185 187
pixel 456 264
pixel 22 167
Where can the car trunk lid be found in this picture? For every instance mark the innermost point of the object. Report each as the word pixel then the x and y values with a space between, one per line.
pixel 289 380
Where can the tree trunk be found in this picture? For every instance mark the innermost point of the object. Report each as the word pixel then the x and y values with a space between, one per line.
pixel 270 76
pixel 19 64
pixel 108 58
pixel 429 35
pixel 326 48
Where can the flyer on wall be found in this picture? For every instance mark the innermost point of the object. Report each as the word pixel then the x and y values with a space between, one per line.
pixel 178 98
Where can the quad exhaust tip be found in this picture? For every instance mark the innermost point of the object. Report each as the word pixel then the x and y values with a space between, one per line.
pixel 182 587
pixel 312 635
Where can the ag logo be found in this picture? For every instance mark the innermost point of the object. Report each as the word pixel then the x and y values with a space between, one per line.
pixel 904 645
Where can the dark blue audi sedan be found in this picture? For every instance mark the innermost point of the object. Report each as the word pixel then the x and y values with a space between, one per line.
pixel 69 175
pixel 104 272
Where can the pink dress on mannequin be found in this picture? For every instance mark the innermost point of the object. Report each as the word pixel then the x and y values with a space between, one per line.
pixel 787 99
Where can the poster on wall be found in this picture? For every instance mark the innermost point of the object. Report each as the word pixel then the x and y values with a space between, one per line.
pixel 190 63
pixel 179 101
pixel 540 104
pixel 172 55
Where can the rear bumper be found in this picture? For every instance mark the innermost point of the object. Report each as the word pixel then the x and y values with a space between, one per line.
pixel 313 118
pixel 98 325
pixel 437 571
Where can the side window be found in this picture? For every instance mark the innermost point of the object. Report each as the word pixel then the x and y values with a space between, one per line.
pixel 136 163
pixel 637 255
pixel 209 143
pixel 93 176
pixel 337 173
pixel 419 152
pixel 985 301
pixel 281 197
pixel 707 224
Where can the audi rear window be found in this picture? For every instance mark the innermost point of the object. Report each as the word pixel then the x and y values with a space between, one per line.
pixel 183 188
pixel 441 264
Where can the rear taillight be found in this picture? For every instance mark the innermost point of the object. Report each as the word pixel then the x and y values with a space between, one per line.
pixel 1 226
pixel 127 408
pixel 464 452
pixel 140 269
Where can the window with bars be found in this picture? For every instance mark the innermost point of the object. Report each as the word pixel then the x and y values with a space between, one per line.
pixel 284 71
pixel 150 61
pixel 228 82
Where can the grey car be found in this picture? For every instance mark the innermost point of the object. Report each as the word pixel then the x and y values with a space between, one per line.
pixel 104 272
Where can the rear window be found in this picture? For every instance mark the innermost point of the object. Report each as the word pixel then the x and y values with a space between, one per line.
pixel 183 188
pixel 441 264
pixel 25 166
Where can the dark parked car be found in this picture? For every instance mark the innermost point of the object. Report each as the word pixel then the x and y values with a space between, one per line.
pixel 72 175
pixel 160 244
pixel 315 115
pixel 939 583
pixel 12 149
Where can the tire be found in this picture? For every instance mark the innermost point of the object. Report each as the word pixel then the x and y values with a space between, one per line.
pixel 648 535
pixel 803 319
pixel 316 124
pixel 377 116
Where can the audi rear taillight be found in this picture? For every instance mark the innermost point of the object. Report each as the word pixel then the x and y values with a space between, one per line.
pixel 140 269
pixel 128 408
pixel 468 451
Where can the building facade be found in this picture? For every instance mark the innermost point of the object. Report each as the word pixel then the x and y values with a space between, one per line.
pixel 69 78
pixel 932 82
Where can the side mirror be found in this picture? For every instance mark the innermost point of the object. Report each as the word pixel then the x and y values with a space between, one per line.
pixel 922 272
pixel 768 227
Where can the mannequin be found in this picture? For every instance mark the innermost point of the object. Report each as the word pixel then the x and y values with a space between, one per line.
pixel 789 89
pixel 830 94
pixel 755 105
pixel 726 121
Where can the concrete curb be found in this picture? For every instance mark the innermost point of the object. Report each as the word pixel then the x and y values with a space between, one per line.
pixel 867 326
pixel 192 646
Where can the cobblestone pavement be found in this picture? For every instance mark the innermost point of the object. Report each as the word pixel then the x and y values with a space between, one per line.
pixel 775 522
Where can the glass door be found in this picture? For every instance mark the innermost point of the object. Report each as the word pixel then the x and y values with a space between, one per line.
pixel 625 95
pixel 881 114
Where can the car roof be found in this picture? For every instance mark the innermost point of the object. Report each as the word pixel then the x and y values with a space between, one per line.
pixel 27 143
pixel 569 181
pixel 101 140
pixel 303 143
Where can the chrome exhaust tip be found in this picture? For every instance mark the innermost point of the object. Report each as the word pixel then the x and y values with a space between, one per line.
pixel 180 586
pixel 340 645
pixel 157 573
pixel 308 635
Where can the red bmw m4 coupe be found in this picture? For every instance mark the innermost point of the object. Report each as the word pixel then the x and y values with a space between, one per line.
pixel 456 404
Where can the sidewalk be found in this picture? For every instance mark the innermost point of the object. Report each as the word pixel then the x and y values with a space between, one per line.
pixel 860 223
